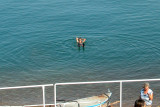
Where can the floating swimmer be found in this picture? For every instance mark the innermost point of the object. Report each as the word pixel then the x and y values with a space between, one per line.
pixel 80 41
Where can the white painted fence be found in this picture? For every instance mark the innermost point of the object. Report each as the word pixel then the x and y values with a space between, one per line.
pixel 77 83
pixel 101 82
pixel 31 86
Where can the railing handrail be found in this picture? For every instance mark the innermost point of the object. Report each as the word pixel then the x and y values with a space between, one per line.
pixel 76 83
pixel 29 86
pixel 114 81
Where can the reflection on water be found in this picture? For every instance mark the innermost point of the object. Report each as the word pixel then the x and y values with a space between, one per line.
pixel 81 48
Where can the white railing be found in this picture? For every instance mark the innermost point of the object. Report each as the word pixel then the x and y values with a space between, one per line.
pixel 100 82
pixel 76 83
pixel 31 86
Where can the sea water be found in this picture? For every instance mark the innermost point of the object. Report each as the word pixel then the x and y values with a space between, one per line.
pixel 38 44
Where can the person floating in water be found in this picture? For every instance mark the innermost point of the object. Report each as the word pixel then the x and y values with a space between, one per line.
pixel 80 41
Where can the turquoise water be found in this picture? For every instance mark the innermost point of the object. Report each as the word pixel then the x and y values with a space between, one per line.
pixel 38 43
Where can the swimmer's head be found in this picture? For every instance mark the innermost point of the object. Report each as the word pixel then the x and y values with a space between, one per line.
pixel 79 39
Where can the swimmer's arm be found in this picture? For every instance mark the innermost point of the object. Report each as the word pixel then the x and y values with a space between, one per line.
pixel 77 39
pixel 84 40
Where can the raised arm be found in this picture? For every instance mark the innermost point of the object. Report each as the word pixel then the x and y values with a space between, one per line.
pixel 77 39
pixel 84 40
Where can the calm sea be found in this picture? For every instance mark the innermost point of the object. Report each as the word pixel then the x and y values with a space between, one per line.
pixel 38 43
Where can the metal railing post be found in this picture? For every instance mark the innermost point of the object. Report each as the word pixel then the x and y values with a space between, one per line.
pixel 120 93
pixel 43 89
pixel 55 99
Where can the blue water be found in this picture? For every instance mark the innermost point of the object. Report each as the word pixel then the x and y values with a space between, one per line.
pixel 38 43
